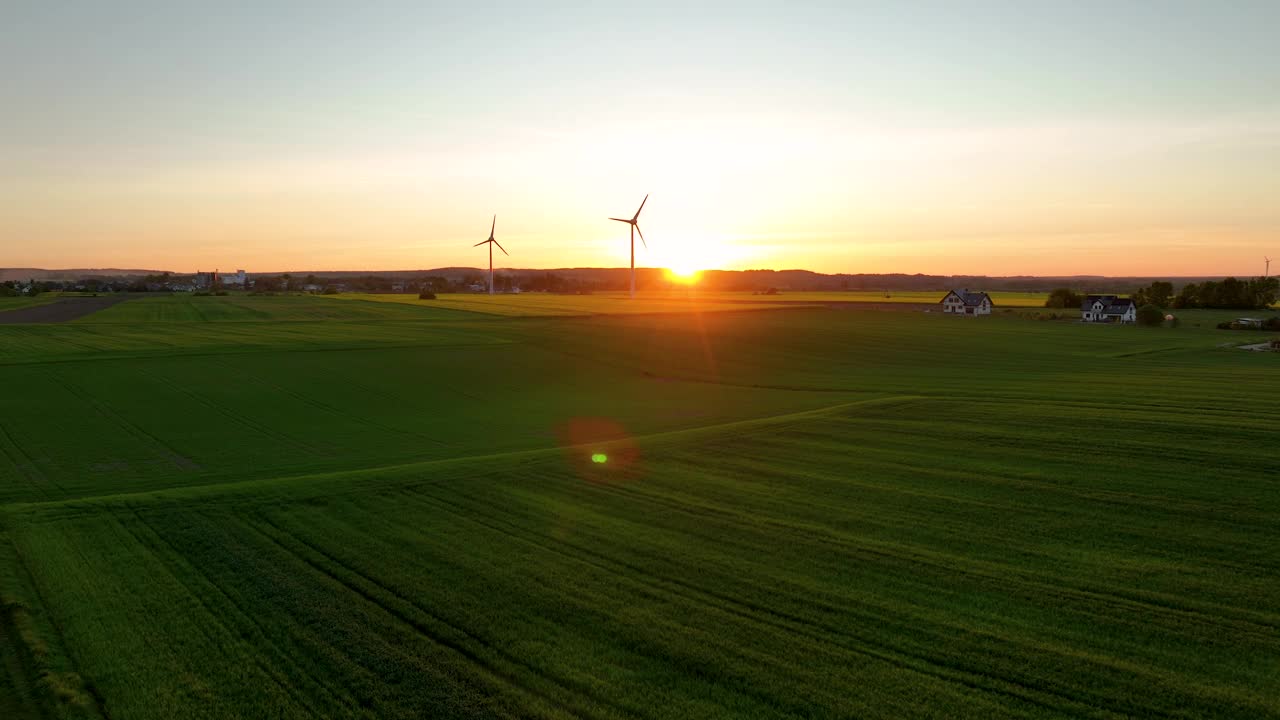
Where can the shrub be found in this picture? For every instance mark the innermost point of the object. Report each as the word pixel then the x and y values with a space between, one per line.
pixel 329 291
pixel 426 295
pixel 1174 321
pixel 1226 325
pixel 1271 323
pixel 1150 315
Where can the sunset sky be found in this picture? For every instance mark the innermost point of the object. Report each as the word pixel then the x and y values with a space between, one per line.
pixel 949 137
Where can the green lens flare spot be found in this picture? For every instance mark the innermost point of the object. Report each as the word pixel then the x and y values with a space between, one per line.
pixel 599 458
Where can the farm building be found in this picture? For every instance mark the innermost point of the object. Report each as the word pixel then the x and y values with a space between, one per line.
pixel 1108 308
pixel 963 302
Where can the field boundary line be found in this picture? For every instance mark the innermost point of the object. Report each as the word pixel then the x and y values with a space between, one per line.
pixel 372 475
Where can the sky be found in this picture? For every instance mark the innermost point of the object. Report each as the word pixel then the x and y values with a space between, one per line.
pixel 997 138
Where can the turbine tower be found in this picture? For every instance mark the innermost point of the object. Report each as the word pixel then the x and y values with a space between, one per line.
pixel 635 228
pixel 1267 274
pixel 491 243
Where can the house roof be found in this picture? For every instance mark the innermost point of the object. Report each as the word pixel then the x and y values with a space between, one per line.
pixel 1111 305
pixel 971 299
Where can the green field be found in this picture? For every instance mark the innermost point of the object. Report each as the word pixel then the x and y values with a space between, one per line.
pixel 552 305
pixel 1000 299
pixel 227 507
pixel 685 299
pixel 15 303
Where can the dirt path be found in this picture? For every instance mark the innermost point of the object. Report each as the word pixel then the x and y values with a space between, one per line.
pixel 62 310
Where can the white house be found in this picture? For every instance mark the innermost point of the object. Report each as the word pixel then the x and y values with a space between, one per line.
pixel 963 302
pixel 1108 308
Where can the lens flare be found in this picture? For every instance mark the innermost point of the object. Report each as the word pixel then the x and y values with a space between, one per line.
pixel 599 458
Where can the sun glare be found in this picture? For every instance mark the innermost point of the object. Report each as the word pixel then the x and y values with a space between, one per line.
pixel 685 274
pixel 687 258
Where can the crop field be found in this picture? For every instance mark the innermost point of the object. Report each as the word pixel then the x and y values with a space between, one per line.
pixel 15 303
pixel 680 299
pixel 1001 299
pixel 376 507
pixel 552 305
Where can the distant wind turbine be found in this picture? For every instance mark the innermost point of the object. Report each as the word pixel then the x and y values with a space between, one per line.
pixel 491 243
pixel 634 222
pixel 1267 274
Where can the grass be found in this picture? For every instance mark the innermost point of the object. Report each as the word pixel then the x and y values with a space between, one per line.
pixel 803 513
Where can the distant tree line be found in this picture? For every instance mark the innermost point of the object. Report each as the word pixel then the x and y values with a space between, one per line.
pixel 1227 294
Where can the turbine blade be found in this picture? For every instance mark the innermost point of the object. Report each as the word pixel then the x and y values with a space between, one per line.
pixel 493 227
pixel 642 242
pixel 621 220
pixel 504 250
pixel 480 243
pixel 637 217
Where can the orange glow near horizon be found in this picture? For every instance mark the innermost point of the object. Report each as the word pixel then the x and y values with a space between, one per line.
pixel 943 142
pixel 684 275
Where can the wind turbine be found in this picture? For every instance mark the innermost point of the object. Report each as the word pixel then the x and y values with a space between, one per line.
pixel 491 243
pixel 635 228
pixel 1267 274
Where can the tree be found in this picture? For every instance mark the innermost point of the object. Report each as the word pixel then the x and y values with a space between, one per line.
pixel 1159 293
pixel 1265 291
pixel 1063 298
pixel 1188 296
pixel 1150 315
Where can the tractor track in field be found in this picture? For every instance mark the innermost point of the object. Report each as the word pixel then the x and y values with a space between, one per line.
pixel 26 580
pixel 369 594
pixel 653 587
pixel 573 688
pixel 334 411
pixel 25 464
pixel 231 415
pixel 789 623
pixel 179 461
pixel 175 557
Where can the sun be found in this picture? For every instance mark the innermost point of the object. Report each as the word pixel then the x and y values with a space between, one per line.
pixel 684 273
